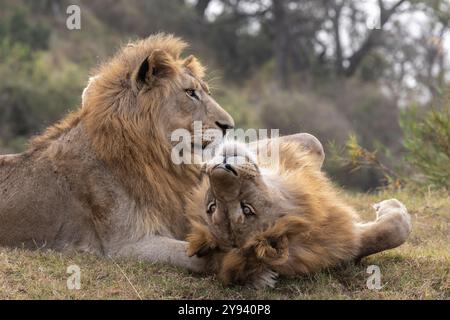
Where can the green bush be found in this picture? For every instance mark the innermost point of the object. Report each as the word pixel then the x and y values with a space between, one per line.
pixel 427 142
pixel 237 104
pixel 35 91
pixel 19 26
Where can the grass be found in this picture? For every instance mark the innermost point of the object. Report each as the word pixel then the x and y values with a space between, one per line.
pixel 419 269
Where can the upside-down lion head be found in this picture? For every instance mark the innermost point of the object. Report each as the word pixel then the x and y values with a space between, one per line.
pixel 239 199
pixel 286 217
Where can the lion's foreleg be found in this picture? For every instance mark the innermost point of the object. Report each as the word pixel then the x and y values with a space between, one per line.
pixel 391 228
pixel 164 250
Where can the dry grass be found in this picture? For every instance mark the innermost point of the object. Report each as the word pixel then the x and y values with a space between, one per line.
pixel 420 269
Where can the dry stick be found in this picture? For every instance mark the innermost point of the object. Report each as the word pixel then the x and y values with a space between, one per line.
pixel 131 284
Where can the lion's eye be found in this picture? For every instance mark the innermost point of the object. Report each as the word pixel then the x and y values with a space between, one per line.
pixel 247 209
pixel 191 93
pixel 211 208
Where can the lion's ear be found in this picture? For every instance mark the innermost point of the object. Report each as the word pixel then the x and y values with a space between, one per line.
pixel 158 65
pixel 87 91
pixel 194 66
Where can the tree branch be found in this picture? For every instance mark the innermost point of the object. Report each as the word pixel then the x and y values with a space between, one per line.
pixel 372 39
pixel 201 7
pixel 336 17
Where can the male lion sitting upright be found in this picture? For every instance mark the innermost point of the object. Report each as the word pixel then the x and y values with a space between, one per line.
pixel 250 220
pixel 102 180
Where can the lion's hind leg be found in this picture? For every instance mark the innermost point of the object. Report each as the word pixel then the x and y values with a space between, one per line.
pixel 391 228
pixel 304 141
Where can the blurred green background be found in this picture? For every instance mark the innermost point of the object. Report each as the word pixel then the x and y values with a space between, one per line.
pixel 374 69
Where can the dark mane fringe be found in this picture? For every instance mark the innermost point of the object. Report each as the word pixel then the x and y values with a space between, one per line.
pixel 54 132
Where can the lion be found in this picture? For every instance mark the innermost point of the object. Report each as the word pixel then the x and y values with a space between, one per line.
pixel 253 222
pixel 102 179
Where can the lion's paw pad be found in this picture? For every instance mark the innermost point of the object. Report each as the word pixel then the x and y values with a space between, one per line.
pixel 396 212
pixel 381 207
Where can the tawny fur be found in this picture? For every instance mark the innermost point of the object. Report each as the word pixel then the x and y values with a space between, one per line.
pixel 309 228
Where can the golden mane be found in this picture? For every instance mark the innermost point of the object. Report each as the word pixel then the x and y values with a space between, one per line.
pixel 124 136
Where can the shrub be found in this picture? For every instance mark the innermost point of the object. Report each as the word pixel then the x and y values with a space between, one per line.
pixel 427 142
pixel 35 91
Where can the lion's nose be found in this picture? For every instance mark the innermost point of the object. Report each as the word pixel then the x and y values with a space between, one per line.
pixel 230 168
pixel 225 182
pixel 224 126
pixel 227 168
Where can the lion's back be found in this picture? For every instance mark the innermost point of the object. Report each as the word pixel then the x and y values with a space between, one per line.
pixel 35 201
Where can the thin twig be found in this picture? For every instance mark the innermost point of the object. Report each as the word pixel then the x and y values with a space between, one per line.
pixel 131 284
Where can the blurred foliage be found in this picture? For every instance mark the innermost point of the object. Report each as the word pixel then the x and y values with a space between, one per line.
pixel 36 89
pixel 355 157
pixel 18 27
pixel 427 141
pixel 272 64
pixel 237 104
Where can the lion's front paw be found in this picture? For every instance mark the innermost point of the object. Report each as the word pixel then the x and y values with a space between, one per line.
pixel 395 213
pixel 272 251
pixel 200 244
pixel 266 279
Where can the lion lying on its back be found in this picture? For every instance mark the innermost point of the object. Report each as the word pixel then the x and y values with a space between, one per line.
pixel 249 220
